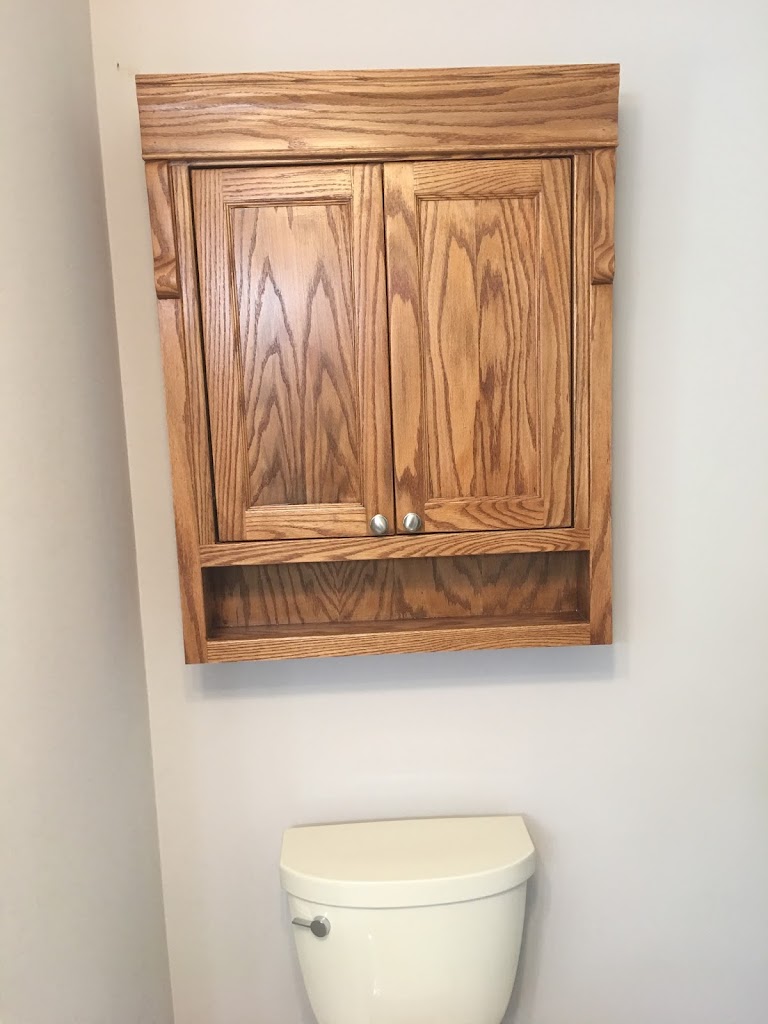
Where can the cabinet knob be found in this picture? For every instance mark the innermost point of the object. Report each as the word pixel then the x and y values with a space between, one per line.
pixel 379 525
pixel 412 522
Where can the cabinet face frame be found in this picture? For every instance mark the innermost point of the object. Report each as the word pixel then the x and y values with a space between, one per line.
pixel 198 121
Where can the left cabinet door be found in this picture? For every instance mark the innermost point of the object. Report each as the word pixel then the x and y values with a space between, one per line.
pixel 292 292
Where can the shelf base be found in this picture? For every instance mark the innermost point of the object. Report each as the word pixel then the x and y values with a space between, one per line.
pixel 339 639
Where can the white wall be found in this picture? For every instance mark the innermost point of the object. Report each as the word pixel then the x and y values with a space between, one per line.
pixel 643 768
pixel 81 921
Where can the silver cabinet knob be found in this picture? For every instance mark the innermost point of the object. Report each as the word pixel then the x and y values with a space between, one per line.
pixel 319 926
pixel 379 525
pixel 412 522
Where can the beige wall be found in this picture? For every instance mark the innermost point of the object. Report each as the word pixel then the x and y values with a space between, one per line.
pixel 81 922
pixel 642 768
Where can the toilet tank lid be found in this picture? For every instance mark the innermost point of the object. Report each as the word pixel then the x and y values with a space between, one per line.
pixel 410 863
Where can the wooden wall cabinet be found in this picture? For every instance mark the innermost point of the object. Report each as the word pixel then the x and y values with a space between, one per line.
pixel 386 296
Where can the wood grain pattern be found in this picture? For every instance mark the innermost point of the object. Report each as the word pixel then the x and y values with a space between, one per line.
pixel 556 341
pixel 441 514
pixel 297 354
pixel 403 546
pixel 600 605
pixel 582 330
pixel 477 179
pixel 480 289
pixel 498 280
pixel 372 333
pixel 378 114
pixel 480 328
pixel 293 295
pixel 184 499
pixel 480 587
pixel 406 378
pixel 404 638
pixel 310 520
pixel 291 264
pixel 163 234
pixel 286 186
pixel 604 171
pixel 198 442
pixel 222 358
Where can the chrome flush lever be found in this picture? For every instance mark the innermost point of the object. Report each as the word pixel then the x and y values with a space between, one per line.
pixel 319 926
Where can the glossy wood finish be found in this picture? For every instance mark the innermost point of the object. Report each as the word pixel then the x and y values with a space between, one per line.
pixel 378 114
pixel 179 417
pixel 480 587
pixel 604 171
pixel 293 288
pixel 198 451
pixel 163 234
pixel 600 605
pixel 170 218
pixel 400 638
pixel 496 542
pixel 479 258
pixel 311 591
pixel 582 333
pixel 291 267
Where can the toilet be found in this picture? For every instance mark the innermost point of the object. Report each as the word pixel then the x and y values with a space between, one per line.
pixel 408 922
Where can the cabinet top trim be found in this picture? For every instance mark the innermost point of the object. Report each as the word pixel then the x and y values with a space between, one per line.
pixel 319 115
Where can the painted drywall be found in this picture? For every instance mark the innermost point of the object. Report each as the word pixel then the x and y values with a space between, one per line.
pixel 643 768
pixel 82 937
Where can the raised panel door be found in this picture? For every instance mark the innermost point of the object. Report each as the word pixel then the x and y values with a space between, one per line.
pixel 291 264
pixel 479 264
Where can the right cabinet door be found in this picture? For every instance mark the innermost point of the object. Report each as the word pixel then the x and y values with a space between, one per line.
pixel 479 276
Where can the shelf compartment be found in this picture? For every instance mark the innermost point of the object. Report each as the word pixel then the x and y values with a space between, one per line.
pixel 370 606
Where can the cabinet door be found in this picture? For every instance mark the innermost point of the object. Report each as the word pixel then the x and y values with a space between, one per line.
pixel 292 281
pixel 479 266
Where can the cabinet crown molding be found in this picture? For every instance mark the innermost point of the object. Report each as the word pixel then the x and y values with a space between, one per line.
pixel 378 115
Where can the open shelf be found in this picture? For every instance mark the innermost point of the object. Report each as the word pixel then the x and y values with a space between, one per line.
pixel 312 609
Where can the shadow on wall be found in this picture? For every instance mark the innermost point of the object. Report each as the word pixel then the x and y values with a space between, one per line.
pixel 405 671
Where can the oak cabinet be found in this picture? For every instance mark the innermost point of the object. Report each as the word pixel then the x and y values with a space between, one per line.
pixel 385 305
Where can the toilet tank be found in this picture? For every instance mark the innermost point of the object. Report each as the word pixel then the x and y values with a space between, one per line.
pixel 421 919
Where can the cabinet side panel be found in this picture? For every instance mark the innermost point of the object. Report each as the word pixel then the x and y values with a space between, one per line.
pixel 179 416
pixel 600 613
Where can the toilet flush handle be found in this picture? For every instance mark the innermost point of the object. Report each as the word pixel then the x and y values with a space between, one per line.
pixel 319 926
